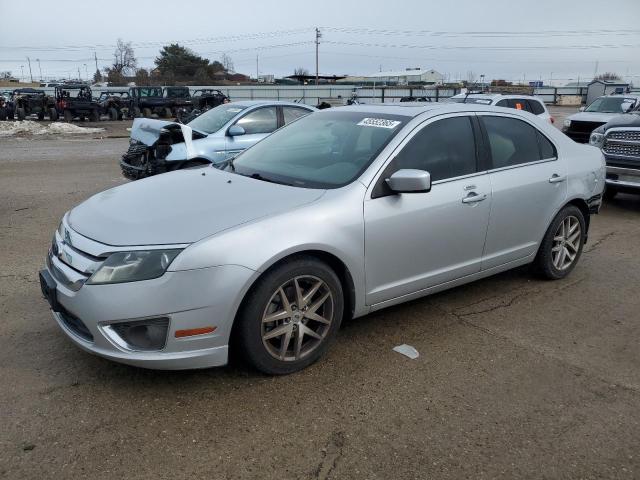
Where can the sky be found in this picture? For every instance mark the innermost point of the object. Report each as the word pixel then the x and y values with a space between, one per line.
pixel 551 40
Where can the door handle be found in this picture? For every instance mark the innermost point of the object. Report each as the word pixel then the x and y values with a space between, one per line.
pixel 555 178
pixel 474 198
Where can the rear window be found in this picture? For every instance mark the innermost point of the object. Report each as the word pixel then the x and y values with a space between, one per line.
pixel 536 107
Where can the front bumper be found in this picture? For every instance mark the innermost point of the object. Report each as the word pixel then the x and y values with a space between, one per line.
pixel 207 297
pixel 623 179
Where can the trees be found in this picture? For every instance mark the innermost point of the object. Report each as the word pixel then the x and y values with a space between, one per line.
pixel 124 58
pixel 227 63
pixel 97 77
pixel 608 77
pixel 302 72
pixel 179 61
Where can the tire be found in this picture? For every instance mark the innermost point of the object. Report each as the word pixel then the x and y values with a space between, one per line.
pixel 3 113
pixel 113 114
pixel 136 112
pixel 553 260
pixel 20 112
pixel 53 114
pixel 167 112
pixel 68 116
pixel 610 193
pixel 146 112
pixel 40 115
pixel 264 354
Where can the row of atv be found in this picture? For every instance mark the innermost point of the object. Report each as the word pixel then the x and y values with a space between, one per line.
pixel 75 101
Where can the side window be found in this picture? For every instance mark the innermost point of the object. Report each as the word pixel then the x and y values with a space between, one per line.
pixel 293 113
pixel 445 149
pixel 503 103
pixel 519 104
pixel 511 141
pixel 547 150
pixel 262 120
pixel 536 107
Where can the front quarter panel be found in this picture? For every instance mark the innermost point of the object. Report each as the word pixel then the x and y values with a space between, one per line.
pixel 333 224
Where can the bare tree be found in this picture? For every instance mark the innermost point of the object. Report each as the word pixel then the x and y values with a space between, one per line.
pixel 301 71
pixel 124 58
pixel 609 76
pixel 471 77
pixel 227 63
pixel 6 75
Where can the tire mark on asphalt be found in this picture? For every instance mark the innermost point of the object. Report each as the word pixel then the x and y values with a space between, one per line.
pixel 331 453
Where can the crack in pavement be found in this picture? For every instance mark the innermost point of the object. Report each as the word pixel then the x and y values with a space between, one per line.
pixel 600 241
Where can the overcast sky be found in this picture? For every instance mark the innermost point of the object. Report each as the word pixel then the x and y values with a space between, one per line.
pixel 536 39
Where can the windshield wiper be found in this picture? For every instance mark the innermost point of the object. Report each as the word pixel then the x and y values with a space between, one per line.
pixel 257 176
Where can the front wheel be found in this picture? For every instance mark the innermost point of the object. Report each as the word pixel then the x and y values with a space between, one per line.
pixel 289 318
pixel 562 245
pixel 21 113
pixel 68 116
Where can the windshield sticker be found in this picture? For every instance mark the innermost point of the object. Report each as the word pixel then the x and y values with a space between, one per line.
pixel 379 123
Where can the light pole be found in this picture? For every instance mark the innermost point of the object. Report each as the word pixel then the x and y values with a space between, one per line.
pixel 86 71
pixel 39 68
pixel 22 68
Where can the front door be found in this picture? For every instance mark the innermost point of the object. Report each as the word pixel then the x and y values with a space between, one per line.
pixel 414 241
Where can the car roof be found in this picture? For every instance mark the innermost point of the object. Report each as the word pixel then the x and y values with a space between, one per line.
pixel 413 109
pixel 494 96
pixel 252 103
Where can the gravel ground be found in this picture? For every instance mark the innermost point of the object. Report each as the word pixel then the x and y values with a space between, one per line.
pixel 517 377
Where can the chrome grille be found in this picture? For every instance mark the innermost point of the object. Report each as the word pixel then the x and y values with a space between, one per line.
pixel 626 135
pixel 622 149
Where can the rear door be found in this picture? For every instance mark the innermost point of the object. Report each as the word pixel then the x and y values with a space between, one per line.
pixel 528 183
pixel 257 123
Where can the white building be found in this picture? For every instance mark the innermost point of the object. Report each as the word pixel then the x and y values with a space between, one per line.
pixel 401 77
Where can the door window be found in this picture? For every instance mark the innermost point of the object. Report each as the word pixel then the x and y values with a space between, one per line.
pixel 293 113
pixel 511 141
pixel 536 107
pixel 446 149
pixel 262 120
pixel 547 150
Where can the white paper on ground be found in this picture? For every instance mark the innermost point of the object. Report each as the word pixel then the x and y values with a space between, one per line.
pixel 407 351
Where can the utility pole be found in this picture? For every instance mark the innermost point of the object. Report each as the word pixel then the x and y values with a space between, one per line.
pixel 318 37
pixel 95 56
pixel 595 73
pixel 30 74
pixel 79 77
pixel 39 68
pixel 22 68
pixel 257 67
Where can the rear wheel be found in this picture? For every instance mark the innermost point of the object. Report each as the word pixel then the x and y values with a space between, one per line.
pixel 290 316
pixel 40 115
pixel 136 112
pixel 20 112
pixel 53 114
pixel 167 112
pixel 68 116
pixel 3 113
pixel 146 112
pixel 113 114
pixel 94 116
pixel 562 245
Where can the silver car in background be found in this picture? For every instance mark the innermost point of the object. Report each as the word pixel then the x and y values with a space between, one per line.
pixel 158 146
pixel 343 212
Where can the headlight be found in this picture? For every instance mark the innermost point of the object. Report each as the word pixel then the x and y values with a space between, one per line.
pixel 596 139
pixel 123 267
pixel 567 123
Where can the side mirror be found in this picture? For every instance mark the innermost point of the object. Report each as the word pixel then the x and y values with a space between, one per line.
pixel 236 131
pixel 581 109
pixel 410 181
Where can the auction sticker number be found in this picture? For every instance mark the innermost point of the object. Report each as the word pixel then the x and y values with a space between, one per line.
pixel 379 123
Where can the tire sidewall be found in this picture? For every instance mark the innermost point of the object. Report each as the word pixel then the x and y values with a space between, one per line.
pixel 249 328
pixel 545 258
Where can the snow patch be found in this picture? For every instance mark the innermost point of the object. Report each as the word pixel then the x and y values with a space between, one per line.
pixel 28 127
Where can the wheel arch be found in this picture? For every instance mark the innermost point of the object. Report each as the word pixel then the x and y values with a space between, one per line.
pixel 582 205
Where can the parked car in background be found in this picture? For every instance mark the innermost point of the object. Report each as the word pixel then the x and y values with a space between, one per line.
pixel 6 105
pixel 207 98
pixel 115 104
pixel 603 109
pixel 76 101
pixel 526 103
pixel 158 146
pixel 619 140
pixel 341 213
pixel 30 101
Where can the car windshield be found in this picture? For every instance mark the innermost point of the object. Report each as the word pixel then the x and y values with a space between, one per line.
pixel 610 105
pixel 216 118
pixel 149 92
pixel 321 150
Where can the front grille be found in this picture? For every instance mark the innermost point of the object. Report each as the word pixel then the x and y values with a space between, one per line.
pixel 584 127
pixel 622 149
pixel 74 324
pixel 628 136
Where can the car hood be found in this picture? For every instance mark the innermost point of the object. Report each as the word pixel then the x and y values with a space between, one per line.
pixel 626 120
pixel 592 117
pixel 182 207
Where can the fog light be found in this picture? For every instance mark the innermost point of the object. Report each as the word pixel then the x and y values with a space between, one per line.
pixel 142 335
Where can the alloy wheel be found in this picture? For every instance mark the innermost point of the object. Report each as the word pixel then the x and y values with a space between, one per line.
pixel 566 243
pixel 297 318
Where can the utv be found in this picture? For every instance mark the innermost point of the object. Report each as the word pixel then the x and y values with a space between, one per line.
pixel 75 100
pixel 145 101
pixel 6 105
pixel 180 103
pixel 115 104
pixel 29 101
pixel 208 98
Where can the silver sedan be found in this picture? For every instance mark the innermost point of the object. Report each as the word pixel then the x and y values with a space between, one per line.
pixel 343 212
